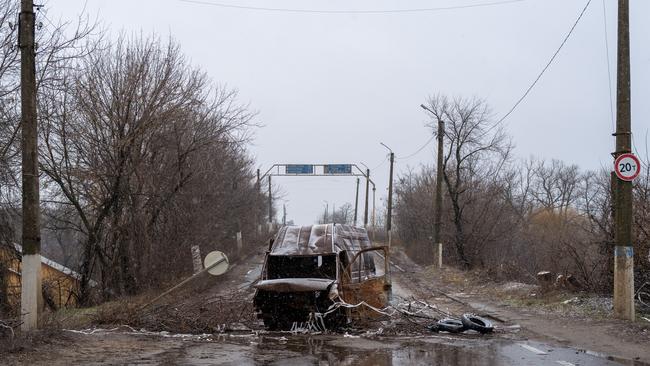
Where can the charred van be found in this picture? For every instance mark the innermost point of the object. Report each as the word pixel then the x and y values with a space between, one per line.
pixel 309 268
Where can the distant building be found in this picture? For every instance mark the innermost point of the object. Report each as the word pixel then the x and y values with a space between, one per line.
pixel 60 283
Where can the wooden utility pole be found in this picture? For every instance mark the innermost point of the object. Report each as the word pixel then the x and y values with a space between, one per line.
pixel 356 203
pixel 365 210
pixel 623 251
pixel 31 297
pixel 438 199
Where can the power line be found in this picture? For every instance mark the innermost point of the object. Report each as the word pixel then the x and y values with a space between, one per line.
pixel 566 38
pixel 609 71
pixel 418 150
pixel 321 11
pixel 381 164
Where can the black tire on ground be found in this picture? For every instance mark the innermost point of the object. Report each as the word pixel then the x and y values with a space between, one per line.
pixel 433 328
pixel 477 323
pixel 450 325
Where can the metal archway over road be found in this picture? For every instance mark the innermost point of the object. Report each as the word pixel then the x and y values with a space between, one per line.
pixel 320 170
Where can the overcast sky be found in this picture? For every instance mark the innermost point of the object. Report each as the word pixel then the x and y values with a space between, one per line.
pixel 330 87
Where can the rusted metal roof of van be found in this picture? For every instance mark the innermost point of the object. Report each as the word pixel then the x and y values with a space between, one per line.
pixel 320 239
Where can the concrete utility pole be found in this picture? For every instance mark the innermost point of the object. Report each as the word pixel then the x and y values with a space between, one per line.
pixel 438 202
pixel 365 209
pixel 270 206
pixel 356 203
pixel 31 297
pixel 623 251
pixel 389 214
pixel 284 214
pixel 437 206
pixel 257 213
pixel 373 212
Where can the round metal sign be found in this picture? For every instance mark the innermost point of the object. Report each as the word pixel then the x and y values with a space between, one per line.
pixel 627 167
pixel 216 263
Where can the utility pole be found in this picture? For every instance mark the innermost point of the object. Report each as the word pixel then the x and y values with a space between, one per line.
pixel 437 206
pixel 327 208
pixel 373 212
pixel 390 201
pixel 623 251
pixel 284 214
pixel 30 297
pixel 389 215
pixel 365 209
pixel 270 206
pixel 356 203
pixel 258 187
pixel 438 202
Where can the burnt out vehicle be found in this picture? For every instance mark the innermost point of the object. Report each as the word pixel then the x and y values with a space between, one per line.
pixel 309 268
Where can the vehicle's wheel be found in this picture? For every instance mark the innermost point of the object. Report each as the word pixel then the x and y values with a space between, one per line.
pixel 450 325
pixel 477 323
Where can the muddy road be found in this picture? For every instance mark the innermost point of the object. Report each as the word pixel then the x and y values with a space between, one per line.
pixel 388 342
pixel 127 347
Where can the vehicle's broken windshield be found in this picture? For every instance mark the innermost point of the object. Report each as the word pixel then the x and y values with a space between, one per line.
pixel 317 266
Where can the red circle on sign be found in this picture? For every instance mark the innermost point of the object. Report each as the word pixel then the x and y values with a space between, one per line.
pixel 619 165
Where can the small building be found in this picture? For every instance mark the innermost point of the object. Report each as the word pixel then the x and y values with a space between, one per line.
pixel 60 283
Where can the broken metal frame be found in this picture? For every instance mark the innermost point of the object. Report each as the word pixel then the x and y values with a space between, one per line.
pixel 269 173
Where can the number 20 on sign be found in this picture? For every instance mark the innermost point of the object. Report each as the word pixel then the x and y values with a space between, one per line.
pixel 627 167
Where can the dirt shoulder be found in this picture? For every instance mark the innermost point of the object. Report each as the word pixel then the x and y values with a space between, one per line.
pixel 578 320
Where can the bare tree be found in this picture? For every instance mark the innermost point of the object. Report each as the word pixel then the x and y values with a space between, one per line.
pixel 138 136
pixel 476 150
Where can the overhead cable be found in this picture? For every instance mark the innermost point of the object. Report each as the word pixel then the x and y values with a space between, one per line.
pixel 418 150
pixel 566 38
pixel 324 11
pixel 609 71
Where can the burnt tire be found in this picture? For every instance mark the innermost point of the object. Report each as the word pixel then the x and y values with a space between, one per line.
pixel 450 325
pixel 477 323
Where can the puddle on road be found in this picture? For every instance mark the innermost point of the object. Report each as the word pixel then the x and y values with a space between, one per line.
pixel 370 352
pixel 282 348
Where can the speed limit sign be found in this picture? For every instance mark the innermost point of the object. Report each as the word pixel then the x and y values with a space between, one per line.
pixel 627 167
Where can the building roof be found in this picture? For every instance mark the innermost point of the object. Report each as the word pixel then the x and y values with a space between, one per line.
pixel 319 240
pixel 57 266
